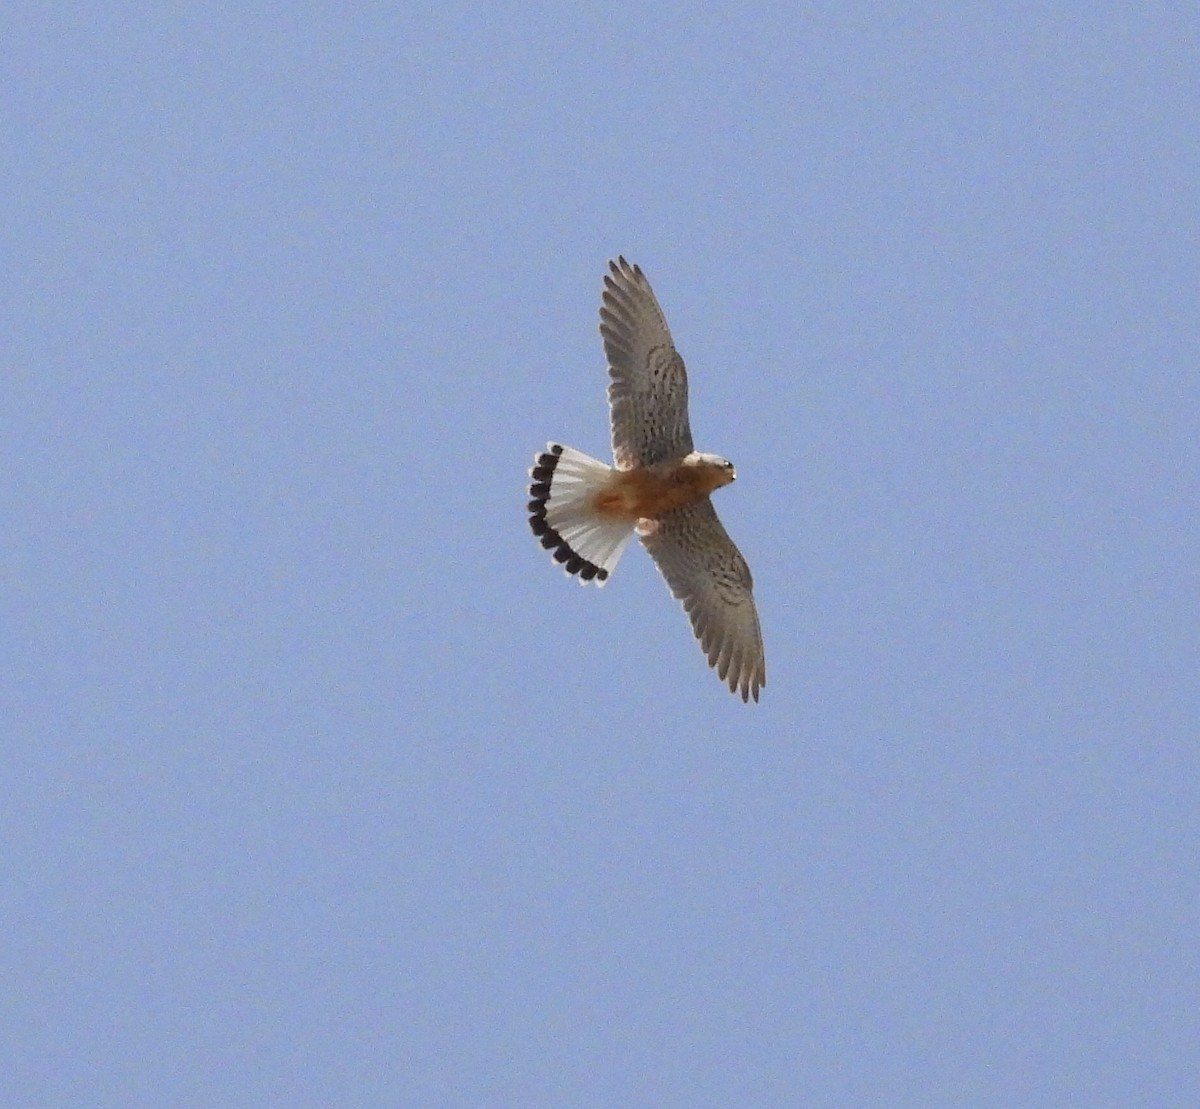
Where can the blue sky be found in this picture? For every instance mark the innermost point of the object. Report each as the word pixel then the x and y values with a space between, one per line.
pixel 324 786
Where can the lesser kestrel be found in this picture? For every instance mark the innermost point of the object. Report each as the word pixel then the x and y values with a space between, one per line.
pixel 585 511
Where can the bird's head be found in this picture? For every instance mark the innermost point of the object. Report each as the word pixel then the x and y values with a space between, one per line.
pixel 717 471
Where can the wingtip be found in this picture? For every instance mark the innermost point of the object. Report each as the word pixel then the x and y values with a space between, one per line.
pixel 749 689
pixel 622 267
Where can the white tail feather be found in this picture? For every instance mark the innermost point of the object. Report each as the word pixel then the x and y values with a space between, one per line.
pixel 561 515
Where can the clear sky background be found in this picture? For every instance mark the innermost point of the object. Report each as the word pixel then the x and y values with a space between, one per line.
pixel 324 786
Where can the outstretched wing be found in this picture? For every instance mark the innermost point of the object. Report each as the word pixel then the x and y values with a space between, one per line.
pixel 708 574
pixel 647 393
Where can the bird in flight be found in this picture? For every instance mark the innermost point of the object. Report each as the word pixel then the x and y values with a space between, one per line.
pixel 585 512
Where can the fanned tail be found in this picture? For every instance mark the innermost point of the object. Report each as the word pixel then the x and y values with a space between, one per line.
pixel 562 516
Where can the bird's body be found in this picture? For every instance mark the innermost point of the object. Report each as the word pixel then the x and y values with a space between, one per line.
pixel 647 492
pixel 585 512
